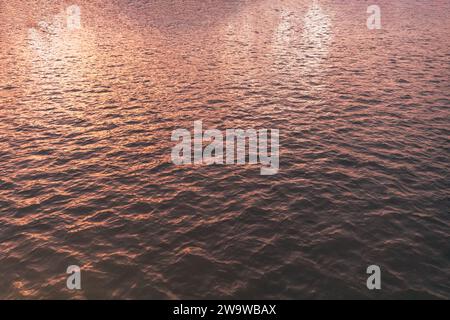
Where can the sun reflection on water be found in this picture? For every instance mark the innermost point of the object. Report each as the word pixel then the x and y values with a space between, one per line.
pixel 317 35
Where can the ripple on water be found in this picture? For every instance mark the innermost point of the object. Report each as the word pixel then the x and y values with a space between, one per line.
pixel 86 121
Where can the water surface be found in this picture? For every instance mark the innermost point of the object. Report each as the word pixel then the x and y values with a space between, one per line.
pixel 86 178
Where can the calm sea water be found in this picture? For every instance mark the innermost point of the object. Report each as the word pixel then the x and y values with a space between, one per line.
pixel 86 177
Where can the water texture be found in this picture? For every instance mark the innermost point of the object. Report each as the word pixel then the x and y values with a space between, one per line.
pixel 86 178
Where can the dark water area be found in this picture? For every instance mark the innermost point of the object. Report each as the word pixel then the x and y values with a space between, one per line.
pixel 86 177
